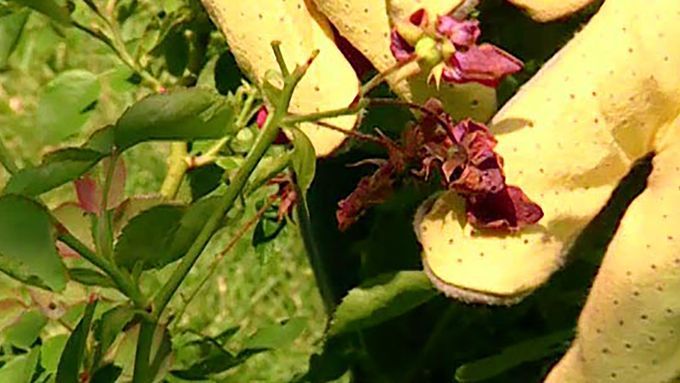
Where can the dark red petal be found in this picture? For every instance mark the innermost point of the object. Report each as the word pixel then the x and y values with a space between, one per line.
pixel 461 33
pixel 419 17
pixel 485 64
pixel 507 210
pixel 401 50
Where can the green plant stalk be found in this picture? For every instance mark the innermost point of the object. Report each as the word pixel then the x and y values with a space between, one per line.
pixel 211 154
pixel 315 259
pixel 177 167
pixel 124 284
pixel 213 265
pixel 6 160
pixel 264 141
pixel 312 117
pixel 143 352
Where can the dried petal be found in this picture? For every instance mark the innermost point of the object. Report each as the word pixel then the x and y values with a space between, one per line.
pixel 485 64
pixel 462 33
pixel 508 210
pixel 371 190
pixel 401 50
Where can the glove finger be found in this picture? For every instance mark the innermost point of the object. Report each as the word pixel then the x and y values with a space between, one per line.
pixel 549 10
pixel 628 330
pixel 567 138
pixel 329 83
pixel 365 23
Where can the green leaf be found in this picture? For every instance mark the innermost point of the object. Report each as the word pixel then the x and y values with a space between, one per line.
pixel 48 8
pixel 303 159
pixel 188 229
pixel 107 374
pixel 74 351
pixel 11 26
pixel 266 170
pixel 380 299
pixel 278 336
pixel 89 277
pixel 64 105
pixel 513 356
pixel 27 330
pixel 143 238
pixel 21 368
pixel 204 180
pixel 50 351
pixel 101 140
pixel 27 246
pixel 183 114
pixel 57 168
pixel 176 51
pixel 109 326
pixel 227 75
pixel 219 361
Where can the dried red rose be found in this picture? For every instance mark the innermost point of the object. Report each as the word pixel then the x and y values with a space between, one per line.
pixel 463 154
pixel 286 195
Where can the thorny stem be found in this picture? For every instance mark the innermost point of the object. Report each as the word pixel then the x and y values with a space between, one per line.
pixel 218 258
pixel 410 105
pixel 263 142
pixel 124 284
pixel 382 76
pixel 211 154
pixel 314 117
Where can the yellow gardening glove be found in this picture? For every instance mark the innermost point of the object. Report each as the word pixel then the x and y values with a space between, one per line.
pixel 330 83
pixel 548 10
pixel 367 25
pixel 608 98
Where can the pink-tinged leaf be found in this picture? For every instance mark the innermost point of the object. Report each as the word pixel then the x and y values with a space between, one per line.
pixel 89 195
pixel 485 64
pixel 65 251
pixel 117 187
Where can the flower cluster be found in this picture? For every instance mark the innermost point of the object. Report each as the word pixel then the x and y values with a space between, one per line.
pixel 450 49
pixel 463 157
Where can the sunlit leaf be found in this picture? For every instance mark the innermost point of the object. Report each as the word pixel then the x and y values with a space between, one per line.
pixel 278 336
pixel 303 159
pixel 143 238
pixel 380 299
pixel 57 168
pixel 64 105
pixel 48 8
pixel 27 245
pixel 21 368
pixel 27 330
pixel 50 352
pixel 89 277
pixel 11 26
pixel 182 114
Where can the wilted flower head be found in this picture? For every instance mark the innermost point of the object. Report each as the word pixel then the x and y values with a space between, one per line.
pixel 463 156
pixel 451 51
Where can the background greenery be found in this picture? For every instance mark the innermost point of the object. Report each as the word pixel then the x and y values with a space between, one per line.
pixel 253 286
